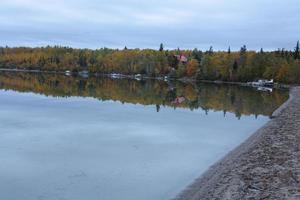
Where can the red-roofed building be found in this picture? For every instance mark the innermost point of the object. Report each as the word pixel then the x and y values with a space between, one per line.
pixel 181 58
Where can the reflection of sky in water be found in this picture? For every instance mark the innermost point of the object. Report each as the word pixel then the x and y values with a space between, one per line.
pixel 81 148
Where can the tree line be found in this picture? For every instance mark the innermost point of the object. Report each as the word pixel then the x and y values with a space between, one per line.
pixel 245 65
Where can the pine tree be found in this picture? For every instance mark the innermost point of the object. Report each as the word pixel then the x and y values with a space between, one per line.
pixel 157 108
pixel 243 56
pixel 282 54
pixel 211 50
pixel 82 59
pixel 243 50
pixel 197 54
pixel 261 50
pixel 297 51
pixel 161 47
pixel 235 66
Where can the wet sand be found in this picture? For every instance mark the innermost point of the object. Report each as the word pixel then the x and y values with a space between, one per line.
pixel 265 166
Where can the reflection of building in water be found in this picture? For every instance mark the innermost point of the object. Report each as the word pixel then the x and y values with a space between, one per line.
pixel 178 100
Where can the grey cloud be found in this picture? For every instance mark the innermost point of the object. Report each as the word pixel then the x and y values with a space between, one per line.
pixel 116 23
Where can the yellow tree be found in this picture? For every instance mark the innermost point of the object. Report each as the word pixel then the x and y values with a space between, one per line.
pixel 191 67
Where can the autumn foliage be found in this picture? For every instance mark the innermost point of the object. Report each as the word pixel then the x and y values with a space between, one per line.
pixel 244 65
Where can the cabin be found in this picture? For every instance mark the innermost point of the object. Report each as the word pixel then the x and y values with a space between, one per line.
pixel 181 58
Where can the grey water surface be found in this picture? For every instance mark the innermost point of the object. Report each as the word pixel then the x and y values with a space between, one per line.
pixel 80 148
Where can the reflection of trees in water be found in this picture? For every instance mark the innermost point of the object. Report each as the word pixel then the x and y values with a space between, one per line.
pixel 216 97
pixel 157 108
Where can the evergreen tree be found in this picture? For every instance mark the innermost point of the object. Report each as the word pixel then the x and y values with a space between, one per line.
pixel 197 54
pixel 229 50
pixel 211 50
pixel 283 53
pixel 235 66
pixel 243 50
pixel 161 47
pixel 261 50
pixel 173 61
pixel 82 59
pixel 297 51
pixel 243 56
pixel 157 108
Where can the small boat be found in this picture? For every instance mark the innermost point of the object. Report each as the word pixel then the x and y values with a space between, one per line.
pixel 138 77
pixel 68 73
pixel 114 75
pixel 263 83
pixel 265 89
pixel 84 74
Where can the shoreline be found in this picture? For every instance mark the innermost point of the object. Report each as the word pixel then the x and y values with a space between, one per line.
pixel 122 76
pixel 265 166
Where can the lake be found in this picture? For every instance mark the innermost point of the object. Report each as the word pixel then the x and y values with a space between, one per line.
pixel 74 138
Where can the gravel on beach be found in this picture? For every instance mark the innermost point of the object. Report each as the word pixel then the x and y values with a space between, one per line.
pixel 265 166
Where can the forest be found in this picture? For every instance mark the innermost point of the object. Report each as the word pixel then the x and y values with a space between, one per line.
pixel 236 66
pixel 159 94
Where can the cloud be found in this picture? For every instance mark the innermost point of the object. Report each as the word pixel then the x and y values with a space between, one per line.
pixel 190 23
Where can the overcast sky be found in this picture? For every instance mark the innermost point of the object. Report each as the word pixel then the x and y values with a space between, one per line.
pixel 145 24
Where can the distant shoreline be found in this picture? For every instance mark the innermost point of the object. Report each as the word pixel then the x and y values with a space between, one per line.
pixel 183 79
pixel 265 166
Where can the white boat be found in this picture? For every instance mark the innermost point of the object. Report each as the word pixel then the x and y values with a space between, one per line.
pixel 265 89
pixel 263 83
pixel 84 74
pixel 68 73
pixel 138 77
pixel 114 75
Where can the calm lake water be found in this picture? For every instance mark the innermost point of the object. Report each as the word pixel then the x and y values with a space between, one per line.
pixel 73 138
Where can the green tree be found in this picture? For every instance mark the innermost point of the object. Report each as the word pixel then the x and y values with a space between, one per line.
pixel 211 50
pixel 196 54
pixel 297 51
pixel 235 66
pixel 261 50
pixel 181 71
pixel 229 50
pixel 243 56
pixel 1 50
pixel 161 47
pixel 243 50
